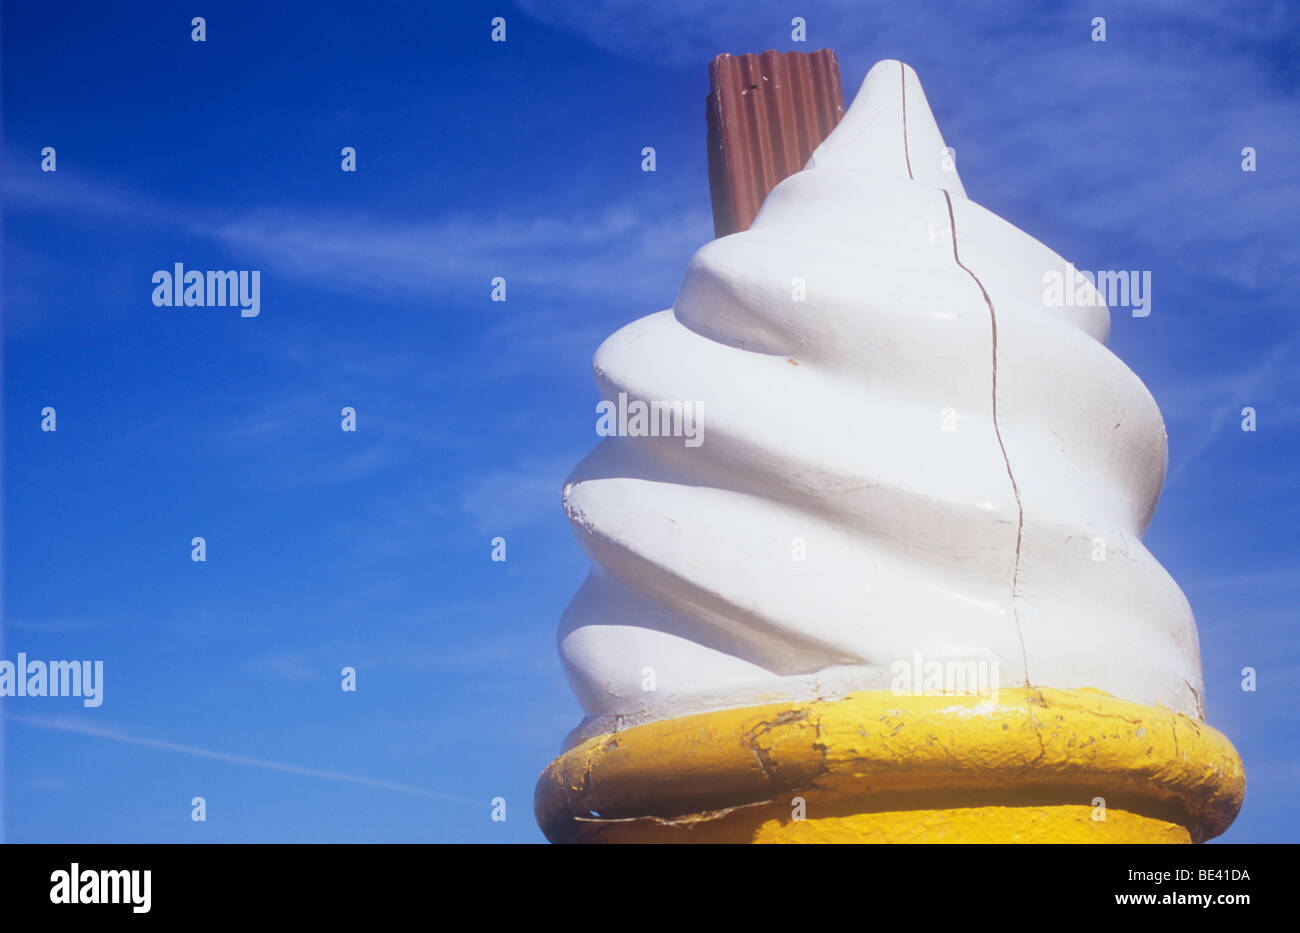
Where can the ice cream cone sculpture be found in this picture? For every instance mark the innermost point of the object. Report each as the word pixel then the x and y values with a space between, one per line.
pixel 890 586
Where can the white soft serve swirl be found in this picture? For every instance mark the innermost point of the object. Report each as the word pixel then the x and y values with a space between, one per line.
pixel 824 421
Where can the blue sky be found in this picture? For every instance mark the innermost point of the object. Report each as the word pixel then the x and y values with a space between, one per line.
pixel 522 160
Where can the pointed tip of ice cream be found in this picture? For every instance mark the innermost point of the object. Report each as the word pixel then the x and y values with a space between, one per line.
pixel 889 129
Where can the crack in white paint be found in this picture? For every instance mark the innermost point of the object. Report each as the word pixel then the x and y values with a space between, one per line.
pixel 993 321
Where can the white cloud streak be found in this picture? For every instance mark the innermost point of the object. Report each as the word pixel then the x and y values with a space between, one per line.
pixel 194 751
pixel 627 248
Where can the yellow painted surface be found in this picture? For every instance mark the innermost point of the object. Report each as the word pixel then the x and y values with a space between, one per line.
pixel 1054 824
pixel 874 767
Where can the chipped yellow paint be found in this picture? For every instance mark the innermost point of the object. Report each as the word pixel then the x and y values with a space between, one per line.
pixel 874 767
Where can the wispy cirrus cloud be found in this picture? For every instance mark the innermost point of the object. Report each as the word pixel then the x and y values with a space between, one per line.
pixel 51 783
pixel 1143 133
pixel 631 246
pixel 55 626
pixel 503 500
pixel 291 666
pixel 194 751
pixel 1229 396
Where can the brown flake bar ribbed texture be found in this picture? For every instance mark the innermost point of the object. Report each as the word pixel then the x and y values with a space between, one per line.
pixel 766 114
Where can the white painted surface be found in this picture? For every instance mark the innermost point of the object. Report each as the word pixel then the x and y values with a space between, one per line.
pixel 823 420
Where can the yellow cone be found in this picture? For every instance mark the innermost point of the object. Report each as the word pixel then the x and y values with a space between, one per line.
pixel 1031 765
